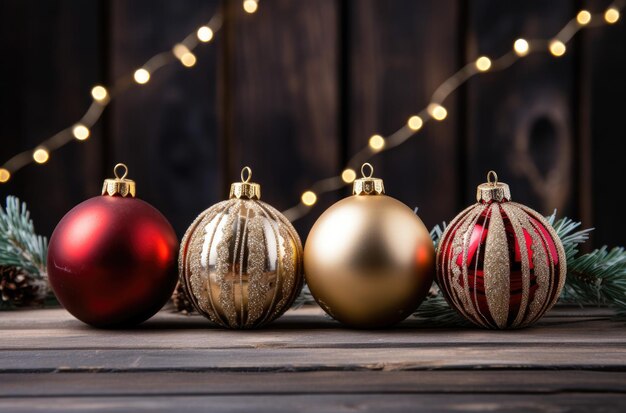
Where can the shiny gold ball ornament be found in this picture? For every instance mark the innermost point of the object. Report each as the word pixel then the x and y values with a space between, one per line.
pixel 500 264
pixel 240 261
pixel 369 260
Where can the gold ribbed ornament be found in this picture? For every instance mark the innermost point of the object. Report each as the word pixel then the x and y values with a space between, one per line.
pixel 240 261
pixel 500 264
pixel 369 259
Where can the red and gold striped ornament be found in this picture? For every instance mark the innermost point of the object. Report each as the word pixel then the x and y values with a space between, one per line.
pixel 500 264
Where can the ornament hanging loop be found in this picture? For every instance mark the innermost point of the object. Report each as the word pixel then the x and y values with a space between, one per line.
pixel 245 189
pixel 367 184
pixel 371 170
pixel 124 167
pixel 246 174
pixel 119 185
pixel 493 190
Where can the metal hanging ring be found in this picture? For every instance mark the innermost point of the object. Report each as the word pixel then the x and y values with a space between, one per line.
pixel 123 166
pixel 244 178
pixel 363 170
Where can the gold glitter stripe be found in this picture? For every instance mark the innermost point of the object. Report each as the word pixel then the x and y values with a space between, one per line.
pixel 515 215
pixel 496 269
pixel 560 253
pixel 443 260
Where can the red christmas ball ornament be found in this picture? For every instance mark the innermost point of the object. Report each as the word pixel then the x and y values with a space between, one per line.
pixel 112 258
pixel 499 263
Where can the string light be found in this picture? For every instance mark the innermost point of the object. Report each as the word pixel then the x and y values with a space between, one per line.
pixel 250 6
pixel 142 76
pixel 205 34
pixel 99 93
pixel 611 15
pixel 348 175
pixel 521 47
pixel 557 48
pixel 41 155
pixel 437 111
pixel 483 63
pixel 309 198
pixel 5 175
pixel 182 51
pixel 80 132
pixel 583 17
pixel 415 123
pixel 377 143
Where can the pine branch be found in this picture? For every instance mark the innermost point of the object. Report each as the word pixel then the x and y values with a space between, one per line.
pixel 20 246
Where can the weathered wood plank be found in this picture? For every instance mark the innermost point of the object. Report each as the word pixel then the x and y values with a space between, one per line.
pixel 50 62
pixel 167 130
pixel 400 52
pixel 570 402
pixel 285 99
pixel 519 121
pixel 56 329
pixel 315 382
pixel 607 357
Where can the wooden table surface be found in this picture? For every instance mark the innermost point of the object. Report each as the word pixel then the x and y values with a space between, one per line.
pixel 572 360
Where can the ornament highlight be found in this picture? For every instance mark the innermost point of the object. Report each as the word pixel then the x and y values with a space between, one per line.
pixel 499 263
pixel 369 260
pixel 112 258
pixel 240 261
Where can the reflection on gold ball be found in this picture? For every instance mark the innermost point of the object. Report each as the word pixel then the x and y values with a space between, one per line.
pixel 369 261
pixel 241 263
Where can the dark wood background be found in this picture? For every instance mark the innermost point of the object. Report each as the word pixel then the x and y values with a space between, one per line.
pixel 295 89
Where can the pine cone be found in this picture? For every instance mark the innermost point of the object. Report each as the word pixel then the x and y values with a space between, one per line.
pixel 19 289
pixel 181 302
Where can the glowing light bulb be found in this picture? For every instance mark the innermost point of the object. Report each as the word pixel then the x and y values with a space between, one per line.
pixel 205 34
pixel 179 50
pixel 309 198
pixel 437 111
pixel 583 17
pixel 348 175
pixel 41 155
pixel 188 59
pixel 521 47
pixel 5 175
pixel 250 6
pixel 142 76
pixel 611 15
pixel 80 132
pixel 99 93
pixel 415 123
pixel 557 48
pixel 483 63
pixel 377 142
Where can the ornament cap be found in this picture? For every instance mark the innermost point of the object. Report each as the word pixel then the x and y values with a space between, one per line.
pixel 119 185
pixel 368 185
pixel 245 189
pixel 493 190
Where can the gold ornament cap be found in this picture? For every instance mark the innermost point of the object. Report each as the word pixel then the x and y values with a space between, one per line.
pixel 120 185
pixel 493 190
pixel 368 185
pixel 245 189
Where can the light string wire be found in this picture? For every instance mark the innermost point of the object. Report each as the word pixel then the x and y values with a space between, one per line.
pixel 557 46
pixel 102 96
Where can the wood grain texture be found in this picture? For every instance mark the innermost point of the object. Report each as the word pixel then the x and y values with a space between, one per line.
pixel 167 131
pixel 570 402
pixel 400 51
pixel 50 62
pixel 573 360
pixel 602 128
pixel 285 99
pixel 520 121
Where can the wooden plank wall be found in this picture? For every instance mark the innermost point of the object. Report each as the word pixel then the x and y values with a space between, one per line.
pixel 295 89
